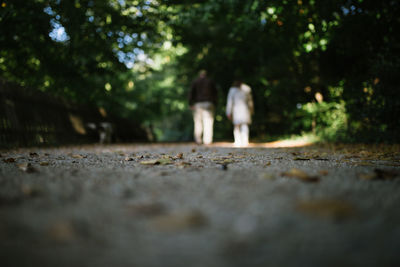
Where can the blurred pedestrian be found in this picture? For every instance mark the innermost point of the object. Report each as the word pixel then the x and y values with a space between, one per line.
pixel 239 108
pixel 202 101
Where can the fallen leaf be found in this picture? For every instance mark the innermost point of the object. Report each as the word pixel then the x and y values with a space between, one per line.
pixel 62 232
pixel 9 160
pixel 223 160
pixel 162 161
pixel 180 221
pixel 26 167
pixel 148 209
pixel 76 156
pixel 182 164
pixel 44 163
pixel 327 208
pixel 30 191
pixel 299 158
pixel 165 161
pixel 267 176
pixel 163 173
pixel 267 164
pixel 128 159
pixel 380 174
pixel 150 162
pixel 367 176
pixel 300 174
pixel 323 172
pixel 318 158
pixel 179 156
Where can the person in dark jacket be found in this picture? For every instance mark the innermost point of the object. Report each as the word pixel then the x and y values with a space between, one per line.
pixel 202 101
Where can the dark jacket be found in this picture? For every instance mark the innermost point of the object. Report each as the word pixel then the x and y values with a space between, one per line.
pixel 203 89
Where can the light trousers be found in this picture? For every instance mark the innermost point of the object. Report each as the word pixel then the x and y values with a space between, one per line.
pixel 241 135
pixel 203 116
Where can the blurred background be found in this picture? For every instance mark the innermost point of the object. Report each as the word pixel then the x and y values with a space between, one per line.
pixel 325 70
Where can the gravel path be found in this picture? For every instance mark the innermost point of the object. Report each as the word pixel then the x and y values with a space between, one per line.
pixel 186 205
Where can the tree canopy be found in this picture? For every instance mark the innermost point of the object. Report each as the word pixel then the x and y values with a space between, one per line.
pixel 323 67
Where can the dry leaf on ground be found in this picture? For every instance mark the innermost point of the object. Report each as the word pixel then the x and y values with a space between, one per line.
pixel 148 209
pixel 44 163
pixel 327 208
pixel 150 162
pixel 9 160
pixel 62 232
pixel 180 221
pixel 380 174
pixel 300 158
pixel 300 174
pixel 323 172
pixel 30 191
pixel 267 176
pixel 182 164
pixel 179 156
pixel 77 156
pixel 26 167
pixel 223 160
pixel 319 158
pixel 162 161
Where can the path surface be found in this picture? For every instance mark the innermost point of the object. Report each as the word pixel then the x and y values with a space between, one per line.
pixel 186 205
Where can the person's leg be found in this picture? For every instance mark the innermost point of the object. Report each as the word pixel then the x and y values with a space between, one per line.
pixel 208 124
pixel 198 124
pixel 244 130
pixel 236 135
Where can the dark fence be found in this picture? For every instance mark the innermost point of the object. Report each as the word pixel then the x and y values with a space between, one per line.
pixel 31 118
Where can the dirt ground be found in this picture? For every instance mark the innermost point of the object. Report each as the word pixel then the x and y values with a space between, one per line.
pixel 186 205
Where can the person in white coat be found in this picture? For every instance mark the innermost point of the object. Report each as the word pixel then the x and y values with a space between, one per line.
pixel 239 108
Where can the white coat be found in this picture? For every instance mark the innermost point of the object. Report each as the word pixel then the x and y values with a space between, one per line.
pixel 240 104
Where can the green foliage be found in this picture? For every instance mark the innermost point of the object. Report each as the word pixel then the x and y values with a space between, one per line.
pixel 328 120
pixel 71 48
pixel 137 58
pixel 290 50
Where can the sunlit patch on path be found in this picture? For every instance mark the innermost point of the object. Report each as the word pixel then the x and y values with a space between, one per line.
pixel 275 144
